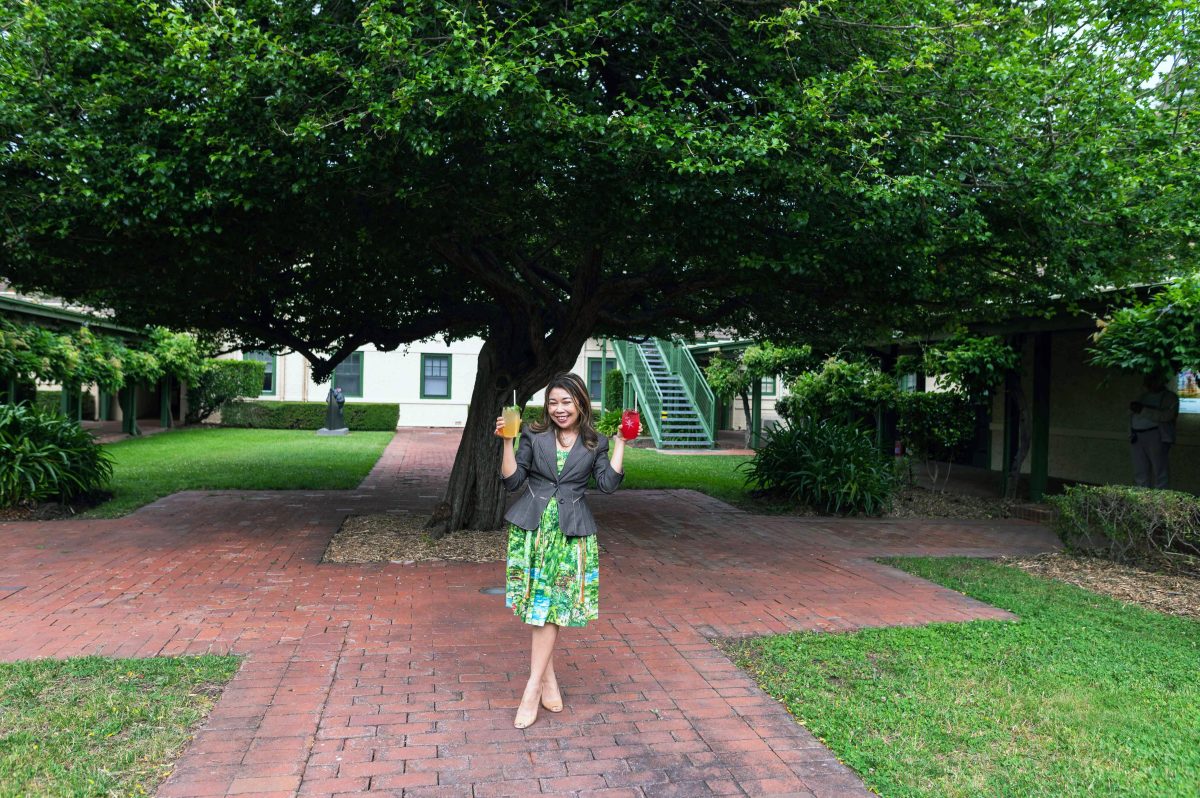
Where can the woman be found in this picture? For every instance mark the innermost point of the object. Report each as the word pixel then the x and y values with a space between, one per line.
pixel 553 561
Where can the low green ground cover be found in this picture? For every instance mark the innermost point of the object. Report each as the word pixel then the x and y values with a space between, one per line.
pixel 93 726
pixel 145 469
pixel 1080 697
pixel 714 474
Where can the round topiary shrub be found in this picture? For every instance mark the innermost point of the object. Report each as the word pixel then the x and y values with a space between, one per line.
pixel 44 455
pixel 833 468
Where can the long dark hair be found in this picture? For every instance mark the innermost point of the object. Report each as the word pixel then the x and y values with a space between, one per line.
pixel 572 384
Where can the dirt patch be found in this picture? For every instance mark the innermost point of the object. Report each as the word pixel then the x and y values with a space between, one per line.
pixel 53 511
pixel 401 538
pixel 917 502
pixel 1172 594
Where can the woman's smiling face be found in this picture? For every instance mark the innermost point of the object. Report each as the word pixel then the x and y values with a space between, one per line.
pixel 563 410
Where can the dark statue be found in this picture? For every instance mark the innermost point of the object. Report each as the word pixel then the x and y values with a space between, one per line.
pixel 335 421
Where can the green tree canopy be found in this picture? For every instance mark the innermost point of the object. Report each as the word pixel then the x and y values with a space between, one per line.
pixel 1156 337
pixel 319 177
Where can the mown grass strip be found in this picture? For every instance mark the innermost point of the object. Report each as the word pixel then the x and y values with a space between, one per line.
pixel 714 474
pixel 93 726
pixel 145 469
pixel 1080 697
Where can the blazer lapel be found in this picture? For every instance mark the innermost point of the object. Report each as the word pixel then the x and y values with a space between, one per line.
pixel 574 456
pixel 544 448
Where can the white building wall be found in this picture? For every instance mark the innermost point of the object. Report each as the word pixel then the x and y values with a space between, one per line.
pixel 393 377
pixel 396 377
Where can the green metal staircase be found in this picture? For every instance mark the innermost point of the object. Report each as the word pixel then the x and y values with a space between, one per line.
pixel 677 406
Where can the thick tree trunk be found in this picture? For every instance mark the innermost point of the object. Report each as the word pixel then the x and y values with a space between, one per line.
pixel 475 497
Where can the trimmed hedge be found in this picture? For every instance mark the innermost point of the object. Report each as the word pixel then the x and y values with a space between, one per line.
pixel 1127 524
pixel 222 381
pixel 614 389
pixel 365 416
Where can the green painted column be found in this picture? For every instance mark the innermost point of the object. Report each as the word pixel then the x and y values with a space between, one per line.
pixel 105 402
pixel 129 410
pixel 164 403
pixel 603 373
pixel 70 403
pixel 1039 455
pixel 756 414
pixel 11 398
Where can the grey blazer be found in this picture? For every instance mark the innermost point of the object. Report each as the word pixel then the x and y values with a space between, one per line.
pixel 537 472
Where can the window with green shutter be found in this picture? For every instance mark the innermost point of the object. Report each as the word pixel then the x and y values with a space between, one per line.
pixel 268 361
pixel 349 375
pixel 435 376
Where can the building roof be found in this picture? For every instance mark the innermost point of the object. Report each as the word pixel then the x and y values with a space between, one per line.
pixel 41 309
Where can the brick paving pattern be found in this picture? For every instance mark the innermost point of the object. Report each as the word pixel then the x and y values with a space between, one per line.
pixel 394 680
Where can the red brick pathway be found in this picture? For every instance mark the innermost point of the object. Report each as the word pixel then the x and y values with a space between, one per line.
pixel 402 680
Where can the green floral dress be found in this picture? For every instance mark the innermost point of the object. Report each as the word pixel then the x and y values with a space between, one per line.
pixel 552 578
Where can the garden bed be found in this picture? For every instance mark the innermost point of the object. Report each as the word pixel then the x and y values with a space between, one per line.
pixel 401 538
pixel 53 511
pixel 1172 594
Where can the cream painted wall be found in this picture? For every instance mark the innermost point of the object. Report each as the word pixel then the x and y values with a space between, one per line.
pixel 1089 421
pixel 393 377
pixel 737 418
pixel 396 377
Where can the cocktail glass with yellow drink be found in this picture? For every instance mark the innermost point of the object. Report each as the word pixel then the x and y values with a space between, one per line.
pixel 512 421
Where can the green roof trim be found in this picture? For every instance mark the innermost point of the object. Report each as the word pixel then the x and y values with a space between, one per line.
pixel 25 307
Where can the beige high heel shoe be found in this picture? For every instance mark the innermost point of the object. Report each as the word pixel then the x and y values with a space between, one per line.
pixel 552 704
pixel 524 721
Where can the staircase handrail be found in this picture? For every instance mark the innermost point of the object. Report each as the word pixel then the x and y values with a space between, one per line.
pixel 680 362
pixel 632 362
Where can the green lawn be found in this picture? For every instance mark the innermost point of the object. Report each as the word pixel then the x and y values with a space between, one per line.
pixel 714 474
pixel 145 469
pixel 97 727
pixel 1081 697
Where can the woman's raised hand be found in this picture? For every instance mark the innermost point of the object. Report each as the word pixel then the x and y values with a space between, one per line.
pixel 500 426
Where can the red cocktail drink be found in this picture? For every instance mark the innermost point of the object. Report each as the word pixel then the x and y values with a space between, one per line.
pixel 631 424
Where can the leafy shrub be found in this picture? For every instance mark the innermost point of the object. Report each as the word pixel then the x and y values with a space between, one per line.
pixel 363 416
pixel 833 468
pixel 45 455
pixel 614 390
pixel 222 381
pixel 846 391
pixel 1128 524
pixel 609 423
pixel 973 366
pixel 1158 337
pixel 531 414
pixel 52 400
pixel 934 426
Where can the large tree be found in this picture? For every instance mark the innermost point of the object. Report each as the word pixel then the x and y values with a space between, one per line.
pixel 322 176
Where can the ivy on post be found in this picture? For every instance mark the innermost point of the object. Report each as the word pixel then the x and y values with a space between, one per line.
pixel 755 419
pixel 129 423
pixel 164 402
